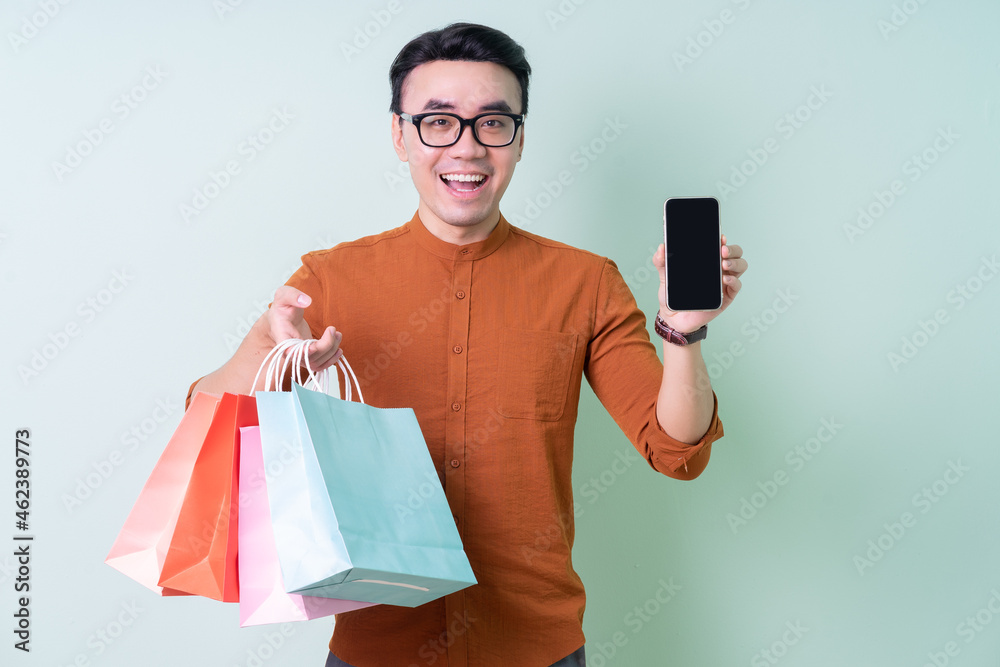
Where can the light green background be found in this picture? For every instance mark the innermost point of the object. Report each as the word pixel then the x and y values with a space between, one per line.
pixel 331 175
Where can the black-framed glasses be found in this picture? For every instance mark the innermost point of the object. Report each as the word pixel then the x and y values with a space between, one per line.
pixel 439 129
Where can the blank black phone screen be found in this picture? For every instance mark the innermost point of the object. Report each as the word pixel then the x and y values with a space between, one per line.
pixel 694 266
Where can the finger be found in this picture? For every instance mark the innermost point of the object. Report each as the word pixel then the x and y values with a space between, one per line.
pixel 732 251
pixel 735 267
pixel 723 239
pixel 733 285
pixel 332 361
pixel 323 347
pixel 322 350
pixel 334 353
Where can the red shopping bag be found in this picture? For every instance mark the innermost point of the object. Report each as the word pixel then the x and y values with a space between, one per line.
pixel 201 556
pixel 142 543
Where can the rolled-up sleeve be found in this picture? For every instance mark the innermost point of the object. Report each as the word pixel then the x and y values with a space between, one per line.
pixel 625 372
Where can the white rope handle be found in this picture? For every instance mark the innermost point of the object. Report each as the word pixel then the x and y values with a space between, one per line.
pixel 276 353
pixel 289 356
pixel 288 353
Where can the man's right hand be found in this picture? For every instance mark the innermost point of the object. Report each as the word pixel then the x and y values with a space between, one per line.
pixel 285 319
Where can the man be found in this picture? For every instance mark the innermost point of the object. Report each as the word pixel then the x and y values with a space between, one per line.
pixel 486 332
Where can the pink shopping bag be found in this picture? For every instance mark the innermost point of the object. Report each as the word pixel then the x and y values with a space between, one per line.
pixel 142 544
pixel 262 592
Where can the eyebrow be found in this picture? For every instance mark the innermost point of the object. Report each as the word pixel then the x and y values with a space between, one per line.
pixel 435 104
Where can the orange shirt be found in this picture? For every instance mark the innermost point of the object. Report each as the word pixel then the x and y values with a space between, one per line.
pixel 488 343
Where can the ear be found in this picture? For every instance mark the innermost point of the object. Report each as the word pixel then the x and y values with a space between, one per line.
pixel 397 137
pixel 520 144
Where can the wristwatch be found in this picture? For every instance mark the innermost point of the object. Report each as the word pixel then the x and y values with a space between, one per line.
pixel 674 336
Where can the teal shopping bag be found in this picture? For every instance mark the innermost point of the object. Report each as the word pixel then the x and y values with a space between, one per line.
pixel 340 479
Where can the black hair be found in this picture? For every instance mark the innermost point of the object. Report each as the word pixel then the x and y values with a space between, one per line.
pixel 459 41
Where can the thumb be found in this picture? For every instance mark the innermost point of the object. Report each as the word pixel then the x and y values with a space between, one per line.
pixel 660 262
pixel 287 296
pixel 285 314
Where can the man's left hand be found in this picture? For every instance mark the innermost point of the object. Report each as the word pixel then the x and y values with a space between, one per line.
pixel 733 266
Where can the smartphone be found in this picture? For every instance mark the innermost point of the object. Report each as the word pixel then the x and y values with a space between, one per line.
pixel 692 235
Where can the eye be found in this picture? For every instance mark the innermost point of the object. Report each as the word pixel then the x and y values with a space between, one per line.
pixel 438 123
pixel 495 123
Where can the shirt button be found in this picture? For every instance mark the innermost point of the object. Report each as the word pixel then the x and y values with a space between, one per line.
pixel 455 463
pixel 457 349
pixel 456 406
pixel 455 518
pixel 460 294
pixel 466 252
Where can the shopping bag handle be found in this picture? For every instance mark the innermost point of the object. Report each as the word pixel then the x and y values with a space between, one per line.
pixel 289 356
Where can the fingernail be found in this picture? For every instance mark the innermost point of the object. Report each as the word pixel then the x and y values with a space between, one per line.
pixel 303 300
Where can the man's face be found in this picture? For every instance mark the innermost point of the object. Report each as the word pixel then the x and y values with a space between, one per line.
pixel 467 89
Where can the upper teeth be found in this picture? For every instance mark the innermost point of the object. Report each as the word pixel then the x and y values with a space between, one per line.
pixel 463 177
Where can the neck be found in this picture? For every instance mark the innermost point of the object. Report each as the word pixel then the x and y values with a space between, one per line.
pixel 457 234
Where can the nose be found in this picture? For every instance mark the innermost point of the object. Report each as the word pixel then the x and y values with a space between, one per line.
pixel 467 146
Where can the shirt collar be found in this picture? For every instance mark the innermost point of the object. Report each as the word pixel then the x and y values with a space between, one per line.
pixel 468 252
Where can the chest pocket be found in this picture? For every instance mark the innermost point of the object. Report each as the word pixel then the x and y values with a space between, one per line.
pixel 533 373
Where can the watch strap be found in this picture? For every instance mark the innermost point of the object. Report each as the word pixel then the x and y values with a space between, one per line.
pixel 671 335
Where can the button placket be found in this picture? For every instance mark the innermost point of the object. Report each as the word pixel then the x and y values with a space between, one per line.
pixel 455 422
pixel 455 434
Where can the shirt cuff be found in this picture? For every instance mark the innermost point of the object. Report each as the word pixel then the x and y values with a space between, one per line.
pixel 681 460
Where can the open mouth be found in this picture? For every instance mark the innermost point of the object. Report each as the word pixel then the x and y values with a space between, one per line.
pixel 464 182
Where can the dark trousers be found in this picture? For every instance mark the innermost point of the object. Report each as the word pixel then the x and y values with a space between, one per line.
pixel 577 659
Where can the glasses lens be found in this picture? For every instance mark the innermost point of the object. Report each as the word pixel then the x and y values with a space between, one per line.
pixel 439 130
pixel 493 130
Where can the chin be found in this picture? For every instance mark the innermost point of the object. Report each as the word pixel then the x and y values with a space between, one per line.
pixel 468 218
